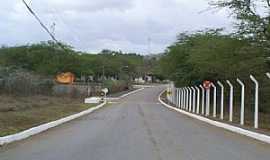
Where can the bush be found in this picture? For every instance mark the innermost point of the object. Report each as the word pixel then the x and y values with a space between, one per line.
pixel 20 82
pixel 116 86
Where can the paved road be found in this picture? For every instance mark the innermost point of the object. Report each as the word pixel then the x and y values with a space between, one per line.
pixel 137 128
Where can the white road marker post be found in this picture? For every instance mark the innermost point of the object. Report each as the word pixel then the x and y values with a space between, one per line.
pixel 221 100
pixel 203 99
pixel 207 102
pixel 198 100
pixel 268 75
pixel 186 98
pixel 231 101
pixel 175 97
pixel 256 113
pixel 190 99
pixel 214 100
pixel 242 116
pixel 181 98
pixel 194 100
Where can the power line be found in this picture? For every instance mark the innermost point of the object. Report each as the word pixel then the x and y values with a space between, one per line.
pixel 53 28
pixel 75 36
pixel 61 19
pixel 40 22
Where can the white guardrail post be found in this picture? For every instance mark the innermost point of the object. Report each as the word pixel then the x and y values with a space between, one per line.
pixel 176 95
pixel 256 113
pixel 268 75
pixel 207 102
pixel 203 99
pixel 190 99
pixel 194 100
pixel 242 116
pixel 176 98
pixel 221 100
pixel 186 98
pixel 179 97
pixel 198 100
pixel 214 100
pixel 231 101
pixel 183 97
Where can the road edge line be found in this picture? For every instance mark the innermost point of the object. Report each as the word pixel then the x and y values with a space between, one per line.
pixel 44 127
pixel 258 136
pixel 125 95
pixel 132 92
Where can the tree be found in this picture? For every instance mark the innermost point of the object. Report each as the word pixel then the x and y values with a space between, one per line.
pixel 210 55
pixel 253 18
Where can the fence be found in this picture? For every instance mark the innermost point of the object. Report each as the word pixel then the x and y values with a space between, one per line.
pixel 236 101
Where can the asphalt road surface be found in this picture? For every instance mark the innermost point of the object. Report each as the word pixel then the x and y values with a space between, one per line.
pixel 137 128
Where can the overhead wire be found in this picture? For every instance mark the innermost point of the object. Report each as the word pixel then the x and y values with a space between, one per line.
pixel 40 22
pixel 74 34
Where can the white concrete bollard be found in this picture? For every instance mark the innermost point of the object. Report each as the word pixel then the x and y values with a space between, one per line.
pixel 198 100
pixel 214 100
pixel 242 116
pixel 203 99
pixel 190 99
pixel 268 74
pixel 186 99
pixel 207 102
pixel 194 100
pixel 181 98
pixel 231 101
pixel 178 97
pixel 256 113
pixel 221 100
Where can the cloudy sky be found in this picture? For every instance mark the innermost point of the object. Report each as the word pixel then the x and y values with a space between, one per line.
pixel 93 25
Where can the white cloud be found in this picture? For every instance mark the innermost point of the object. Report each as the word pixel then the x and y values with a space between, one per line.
pixel 113 24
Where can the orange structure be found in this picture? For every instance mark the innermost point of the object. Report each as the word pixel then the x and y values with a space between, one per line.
pixel 65 78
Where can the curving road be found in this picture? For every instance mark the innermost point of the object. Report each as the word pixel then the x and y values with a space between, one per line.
pixel 136 128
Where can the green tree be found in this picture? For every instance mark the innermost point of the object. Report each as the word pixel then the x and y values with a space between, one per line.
pixel 253 18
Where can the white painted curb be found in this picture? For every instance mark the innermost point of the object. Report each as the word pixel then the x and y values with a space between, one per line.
pixel 132 92
pixel 36 130
pixel 125 95
pixel 143 86
pixel 254 135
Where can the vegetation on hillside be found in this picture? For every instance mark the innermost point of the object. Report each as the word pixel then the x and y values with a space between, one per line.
pixel 212 54
pixel 47 58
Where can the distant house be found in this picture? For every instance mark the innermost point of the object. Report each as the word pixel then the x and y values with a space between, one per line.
pixel 148 78
pixel 139 80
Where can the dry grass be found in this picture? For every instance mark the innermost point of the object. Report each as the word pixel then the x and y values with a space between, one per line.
pixel 20 113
